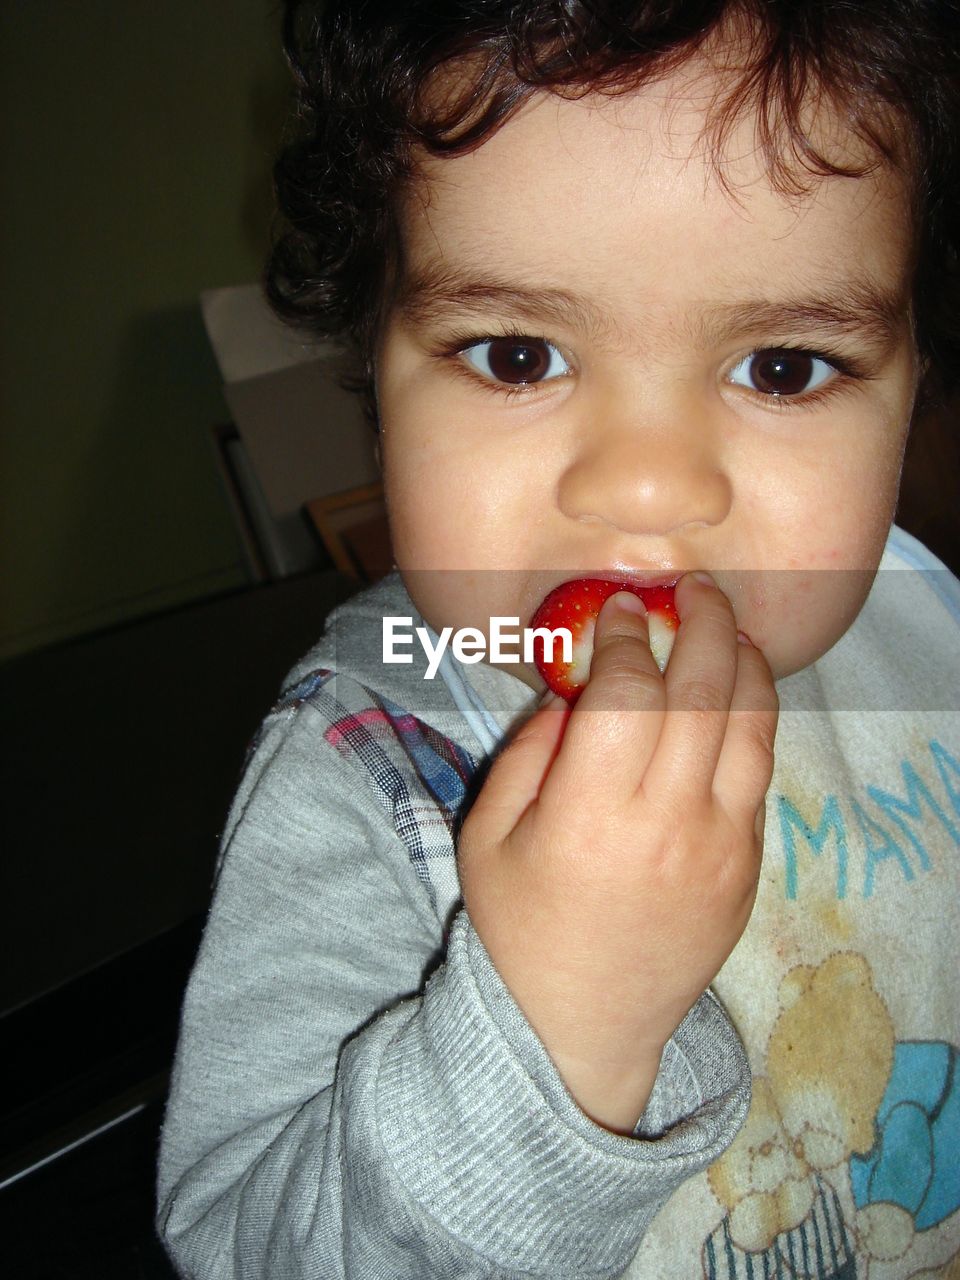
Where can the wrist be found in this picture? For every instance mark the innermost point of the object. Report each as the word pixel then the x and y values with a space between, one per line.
pixel 611 1094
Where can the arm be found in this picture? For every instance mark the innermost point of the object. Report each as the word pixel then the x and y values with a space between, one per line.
pixel 438 1139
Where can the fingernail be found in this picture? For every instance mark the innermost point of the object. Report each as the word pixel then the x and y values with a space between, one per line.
pixel 627 602
pixel 703 577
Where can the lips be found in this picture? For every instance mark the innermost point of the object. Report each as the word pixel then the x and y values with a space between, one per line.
pixel 574 606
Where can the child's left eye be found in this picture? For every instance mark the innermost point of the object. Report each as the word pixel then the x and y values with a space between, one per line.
pixel 516 361
pixel 782 372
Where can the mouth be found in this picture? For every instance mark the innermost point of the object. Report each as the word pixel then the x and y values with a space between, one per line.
pixel 643 581
pixel 622 575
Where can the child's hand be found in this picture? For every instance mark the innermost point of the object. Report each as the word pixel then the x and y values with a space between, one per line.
pixel 611 860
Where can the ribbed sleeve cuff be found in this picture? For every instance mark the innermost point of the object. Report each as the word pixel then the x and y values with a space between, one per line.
pixel 482 1133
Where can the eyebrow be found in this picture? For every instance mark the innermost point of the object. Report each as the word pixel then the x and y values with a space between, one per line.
pixel 854 307
pixel 434 295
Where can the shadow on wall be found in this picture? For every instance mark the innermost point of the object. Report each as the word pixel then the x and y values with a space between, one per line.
pixel 145 523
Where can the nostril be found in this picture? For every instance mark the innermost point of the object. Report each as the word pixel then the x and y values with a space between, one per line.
pixel 645 500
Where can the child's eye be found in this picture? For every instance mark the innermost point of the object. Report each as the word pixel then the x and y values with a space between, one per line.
pixel 516 361
pixel 782 372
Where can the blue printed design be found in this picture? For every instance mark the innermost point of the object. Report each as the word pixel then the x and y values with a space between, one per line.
pixel 915 1161
pixel 899 833
pixel 949 770
pixel 792 822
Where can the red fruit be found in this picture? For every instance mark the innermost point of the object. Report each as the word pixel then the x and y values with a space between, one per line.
pixel 575 605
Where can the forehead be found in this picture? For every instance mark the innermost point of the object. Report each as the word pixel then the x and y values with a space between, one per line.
pixel 623 198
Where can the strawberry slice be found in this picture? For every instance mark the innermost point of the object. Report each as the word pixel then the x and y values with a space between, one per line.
pixel 575 605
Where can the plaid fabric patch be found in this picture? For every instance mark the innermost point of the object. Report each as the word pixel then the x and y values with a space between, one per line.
pixel 419 777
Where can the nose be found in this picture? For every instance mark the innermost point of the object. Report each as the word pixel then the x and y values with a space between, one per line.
pixel 646 478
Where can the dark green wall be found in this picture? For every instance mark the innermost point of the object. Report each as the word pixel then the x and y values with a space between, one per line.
pixel 137 141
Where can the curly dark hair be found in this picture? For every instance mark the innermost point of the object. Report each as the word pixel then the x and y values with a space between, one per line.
pixel 364 70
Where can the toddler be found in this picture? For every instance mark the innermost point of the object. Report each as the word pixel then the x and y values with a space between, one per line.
pixel 497 985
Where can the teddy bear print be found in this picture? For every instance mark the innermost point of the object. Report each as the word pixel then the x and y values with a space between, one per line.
pixel 844 1116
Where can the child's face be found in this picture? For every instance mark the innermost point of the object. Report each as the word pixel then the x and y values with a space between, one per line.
pixel 590 248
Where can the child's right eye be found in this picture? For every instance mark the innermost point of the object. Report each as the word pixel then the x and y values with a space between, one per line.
pixel 515 361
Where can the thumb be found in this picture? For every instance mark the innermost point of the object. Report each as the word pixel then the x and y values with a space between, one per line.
pixel 517 774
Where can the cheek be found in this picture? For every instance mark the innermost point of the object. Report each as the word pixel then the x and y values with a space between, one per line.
pixel 457 507
pixel 801 614
pixel 441 520
pixel 832 509
pixel 829 535
pixel 426 500
pixel 844 532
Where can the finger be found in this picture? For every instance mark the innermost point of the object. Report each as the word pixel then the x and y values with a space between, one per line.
pixel 745 767
pixel 700 681
pixel 517 774
pixel 616 722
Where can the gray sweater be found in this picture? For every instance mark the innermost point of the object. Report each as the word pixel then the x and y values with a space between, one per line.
pixel 356 1093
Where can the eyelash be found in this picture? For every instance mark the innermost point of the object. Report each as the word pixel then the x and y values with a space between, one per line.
pixel 849 369
pixel 458 343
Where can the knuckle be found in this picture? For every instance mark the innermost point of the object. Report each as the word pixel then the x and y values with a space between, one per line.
pixel 622 654
pixel 628 670
pixel 716 611
pixel 758 748
pixel 622 631
pixel 695 693
pixel 759 729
